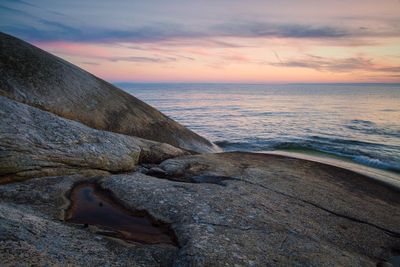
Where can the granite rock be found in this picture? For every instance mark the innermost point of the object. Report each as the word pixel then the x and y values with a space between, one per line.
pixel 247 210
pixel 36 143
pixel 35 77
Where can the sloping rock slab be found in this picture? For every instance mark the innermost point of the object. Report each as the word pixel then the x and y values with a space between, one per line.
pixel 266 211
pixel 273 211
pixel 33 76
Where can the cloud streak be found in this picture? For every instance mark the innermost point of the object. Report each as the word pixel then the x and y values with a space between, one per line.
pixel 55 31
pixel 209 40
pixel 260 30
pixel 49 30
pixel 349 64
pixel 142 59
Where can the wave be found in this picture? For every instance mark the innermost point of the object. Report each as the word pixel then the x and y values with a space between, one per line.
pixel 371 128
pixel 376 163
pixel 277 113
pixel 333 147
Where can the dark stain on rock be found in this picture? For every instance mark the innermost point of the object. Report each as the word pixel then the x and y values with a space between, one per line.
pixel 92 205
pixel 210 179
pixel 192 173
pixel 195 179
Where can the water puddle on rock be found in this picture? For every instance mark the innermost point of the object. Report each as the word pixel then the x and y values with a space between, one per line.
pixel 91 205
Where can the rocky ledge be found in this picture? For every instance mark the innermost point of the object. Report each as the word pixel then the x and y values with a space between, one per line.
pixel 228 209
pixel 37 143
pixel 75 193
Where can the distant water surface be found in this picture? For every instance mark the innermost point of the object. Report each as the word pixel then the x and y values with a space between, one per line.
pixel 358 122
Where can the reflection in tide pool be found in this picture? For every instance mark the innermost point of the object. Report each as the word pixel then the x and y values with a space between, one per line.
pixel 359 122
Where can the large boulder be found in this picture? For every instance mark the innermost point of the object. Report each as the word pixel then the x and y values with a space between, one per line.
pixel 33 76
pixel 36 143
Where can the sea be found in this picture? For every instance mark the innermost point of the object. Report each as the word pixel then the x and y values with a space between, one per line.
pixel 354 122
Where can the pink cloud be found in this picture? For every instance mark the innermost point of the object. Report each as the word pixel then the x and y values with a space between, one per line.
pixel 75 49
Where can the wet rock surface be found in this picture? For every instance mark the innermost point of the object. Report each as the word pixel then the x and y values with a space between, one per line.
pixel 29 239
pixel 91 205
pixel 34 233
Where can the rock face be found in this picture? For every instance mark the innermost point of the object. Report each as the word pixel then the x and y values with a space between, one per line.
pixel 32 235
pixel 35 77
pixel 229 209
pixel 37 143
pixel 225 209
pixel 263 210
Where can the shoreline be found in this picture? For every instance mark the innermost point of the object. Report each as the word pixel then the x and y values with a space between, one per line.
pixel 387 177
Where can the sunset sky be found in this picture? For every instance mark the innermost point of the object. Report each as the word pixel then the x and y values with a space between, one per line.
pixel 216 41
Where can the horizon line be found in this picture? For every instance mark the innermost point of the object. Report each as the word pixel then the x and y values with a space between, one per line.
pixel 260 83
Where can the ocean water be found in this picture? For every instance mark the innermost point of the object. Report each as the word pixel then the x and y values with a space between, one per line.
pixel 357 122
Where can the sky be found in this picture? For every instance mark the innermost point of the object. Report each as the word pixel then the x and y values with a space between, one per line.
pixel 216 41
